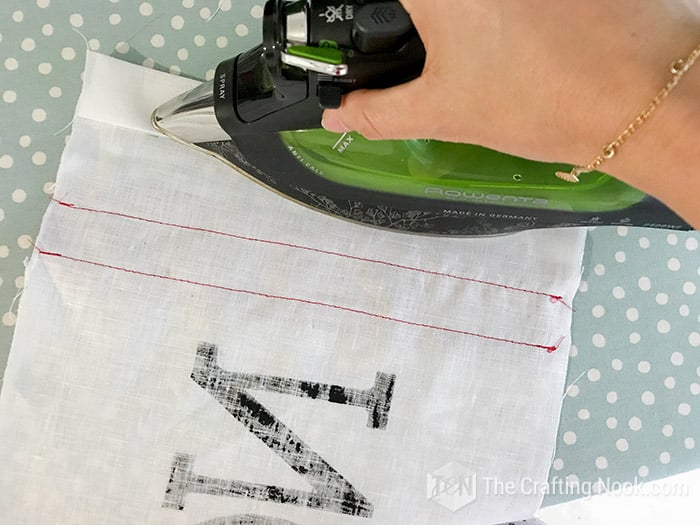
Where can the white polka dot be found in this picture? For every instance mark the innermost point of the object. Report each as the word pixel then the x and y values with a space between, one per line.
pixel 43 4
pixel 157 40
pixel 670 382
pixel 632 314
pixel 572 480
pixel 221 42
pixel 4 251
pixel 28 44
pixel 684 409
pixel 177 22
pixel 598 340
pixel 47 30
pixel 598 311
pixel 122 47
pixel 39 158
pixel 199 40
pixel 583 286
pixel 25 140
pixel 18 16
pixel 693 338
pixel 672 239
pixel 209 74
pixel 55 92
pixel 665 458
pixel 684 310
pixel 45 68
pixel 643 471
pixel 6 161
pixel 618 292
pixel 241 30
pixel 601 462
pixel 174 70
pixel 225 5
pixel 616 364
pixel 663 326
pixel 49 187
pixel 2 218
pixel 644 367
pixel 689 288
pixel 257 11
pixel 599 269
pixel 622 445
pixel 19 282
pixel 182 54
pixel 643 242
pixel 94 44
pixel 695 389
pixel 620 256
pixel 648 397
pixel 572 391
pixel 584 414
pixel 9 96
pixel 611 397
pixel 667 430
pixel 569 437
pixel 558 464
pixel 691 244
pixel 673 264
pixel 677 358
pixel 689 443
pixel 661 298
pixel 205 13
pixel 622 231
pixel 76 20
pixel 573 351
pixel 19 196
pixel 68 53
pixel 11 64
pixel 635 338
pixel 115 18
pixel 9 319
pixel 187 4
pixel 593 375
pixel 148 62
pixel 644 284
pixel 634 423
pixel 146 9
pixel 24 241
pixel 38 115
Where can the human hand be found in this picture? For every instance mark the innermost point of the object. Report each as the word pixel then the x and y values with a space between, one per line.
pixel 551 81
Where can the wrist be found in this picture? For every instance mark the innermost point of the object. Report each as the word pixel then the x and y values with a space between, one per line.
pixel 663 157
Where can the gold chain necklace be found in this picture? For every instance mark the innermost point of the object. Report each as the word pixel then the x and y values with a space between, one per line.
pixel 678 69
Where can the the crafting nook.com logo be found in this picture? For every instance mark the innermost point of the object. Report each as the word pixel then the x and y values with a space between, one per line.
pixel 451 486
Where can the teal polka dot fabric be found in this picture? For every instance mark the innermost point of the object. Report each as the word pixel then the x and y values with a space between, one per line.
pixel 632 405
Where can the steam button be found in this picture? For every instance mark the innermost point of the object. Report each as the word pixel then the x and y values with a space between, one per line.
pixel 329 96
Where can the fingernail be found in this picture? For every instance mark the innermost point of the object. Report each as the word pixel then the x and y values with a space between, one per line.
pixel 331 122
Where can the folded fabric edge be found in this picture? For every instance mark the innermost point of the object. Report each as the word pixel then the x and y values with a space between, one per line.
pixel 132 101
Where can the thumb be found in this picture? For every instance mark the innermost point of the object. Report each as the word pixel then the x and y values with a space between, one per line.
pixel 382 114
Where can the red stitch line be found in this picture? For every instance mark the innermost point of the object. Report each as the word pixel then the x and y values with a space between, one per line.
pixel 548 348
pixel 552 297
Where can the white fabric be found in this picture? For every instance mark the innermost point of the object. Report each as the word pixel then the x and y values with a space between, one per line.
pixel 171 301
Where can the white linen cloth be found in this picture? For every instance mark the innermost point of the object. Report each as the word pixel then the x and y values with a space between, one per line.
pixel 192 348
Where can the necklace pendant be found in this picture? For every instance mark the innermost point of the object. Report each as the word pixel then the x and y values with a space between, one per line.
pixel 570 176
